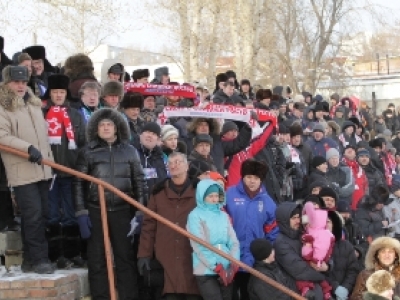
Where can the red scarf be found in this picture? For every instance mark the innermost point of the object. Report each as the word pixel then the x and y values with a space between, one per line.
pixel 360 182
pixel 57 119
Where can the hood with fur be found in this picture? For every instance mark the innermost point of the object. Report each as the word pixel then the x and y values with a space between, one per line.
pixel 11 101
pixel 111 114
pixel 215 128
pixel 376 245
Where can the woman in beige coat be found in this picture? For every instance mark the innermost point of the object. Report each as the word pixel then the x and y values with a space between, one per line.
pixel 23 127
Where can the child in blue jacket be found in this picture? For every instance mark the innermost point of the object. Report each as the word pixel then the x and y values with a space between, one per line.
pixel 252 212
pixel 207 221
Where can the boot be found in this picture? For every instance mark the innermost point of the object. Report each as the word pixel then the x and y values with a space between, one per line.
pixel 43 268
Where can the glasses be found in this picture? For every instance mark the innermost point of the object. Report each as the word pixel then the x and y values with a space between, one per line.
pixel 175 163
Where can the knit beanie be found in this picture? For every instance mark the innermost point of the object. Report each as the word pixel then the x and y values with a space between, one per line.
pixel 317 161
pixel 228 126
pixel 167 131
pixel 260 249
pixel 343 207
pixel 212 189
pixel 363 152
pixel 152 127
pixel 332 152
pixel 202 138
pixel 319 127
pixel 197 167
pixel 328 192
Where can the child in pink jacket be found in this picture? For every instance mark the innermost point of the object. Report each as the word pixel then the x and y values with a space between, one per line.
pixel 318 245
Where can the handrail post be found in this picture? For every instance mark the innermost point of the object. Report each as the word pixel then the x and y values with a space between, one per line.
pixel 107 245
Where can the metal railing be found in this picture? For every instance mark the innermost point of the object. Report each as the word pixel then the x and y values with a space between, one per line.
pixel 104 185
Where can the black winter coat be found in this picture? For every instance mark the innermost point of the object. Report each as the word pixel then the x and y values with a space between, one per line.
pixel 221 98
pixel 396 144
pixel 307 156
pixel 3 177
pixel 117 164
pixel 370 221
pixel 288 250
pixel 154 159
pixel 374 176
pixel 259 290
pixel 272 154
pixel 62 155
pixel 317 175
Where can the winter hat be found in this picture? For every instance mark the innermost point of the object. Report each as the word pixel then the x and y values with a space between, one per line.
pixel 296 129
pixel 254 167
pixel 202 138
pixel 296 211
pixel 228 126
pixel 395 186
pixel 335 96
pixel 112 88
pixel 116 69
pixel 274 105
pixel 152 127
pixel 341 109
pixel 198 167
pixel 212 189
pixel 363 152
pixel 36 52
pixel 15 73
pixel 319 127
pixel 317 161
pixel 283 129
pixel 334 126
pixel 139 74
pixel 299 106
pixel 343 207
pixel 55 82
pixel 167 131
pixel 376 143
pixel 328 192
pixel 315 199
pixel 319 107
pixel 380 194
pixel 132 100
pixel 332 152
pixel 348 124
pixel 379 282
pixel 387 132
pixel 260 249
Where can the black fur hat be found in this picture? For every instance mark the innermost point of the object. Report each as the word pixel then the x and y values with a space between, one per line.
pixel 140 73
pixel 221 77
pixel 376 143
pixel 57 81
pixel 110 114
pixel 132 99
pixel 295 129
pixel 254 167
pixel 36 52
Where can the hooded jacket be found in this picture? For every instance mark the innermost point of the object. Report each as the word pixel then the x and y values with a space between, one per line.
pixel 22 125
pixel 288 249
pixel 220 149
pixel 344 268
pixel 371 266
pixel 346 140
pixel 342 176
pixel 211 224
pixel 252 218
pixel 369 218
pixel 117 164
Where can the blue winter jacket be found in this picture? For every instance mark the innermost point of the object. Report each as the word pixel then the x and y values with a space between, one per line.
pixel 211 224
pixel 252 218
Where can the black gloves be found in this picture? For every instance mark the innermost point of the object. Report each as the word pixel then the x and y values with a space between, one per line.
pixel 34 155
pixel 143 262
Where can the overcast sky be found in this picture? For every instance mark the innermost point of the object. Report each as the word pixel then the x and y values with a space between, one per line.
pixel 148 37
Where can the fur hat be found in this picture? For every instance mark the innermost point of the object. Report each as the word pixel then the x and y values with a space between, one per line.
pixel 335 126
pixel 110 114
pixel 57 81
pixel 379 282
pixel 132 99
pixel 296 129
pixel 36 52
pixel 15 73
pixel 112 88
pixel 378 244
pixel 140 73
pixel 116 69
pixel 221 77
pixel 78 64
pixel 254 167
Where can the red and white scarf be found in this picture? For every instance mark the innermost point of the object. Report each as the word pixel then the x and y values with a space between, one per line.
pixel 57 119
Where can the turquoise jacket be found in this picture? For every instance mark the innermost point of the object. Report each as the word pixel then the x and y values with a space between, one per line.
pixel 211 224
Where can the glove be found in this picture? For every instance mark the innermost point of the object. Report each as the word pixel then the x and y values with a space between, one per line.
pixel 289 165
pixel 34 155
pixel 223 275
pixel 134 225
pixel 232 270
pixel 84 226
pixel 341 293
pixel 143 262
pixel 254 115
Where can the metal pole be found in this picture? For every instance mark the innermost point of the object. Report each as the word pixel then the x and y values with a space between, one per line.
pixel 387 64
pixel 158 218
pixel 107 244
pixel 377 57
